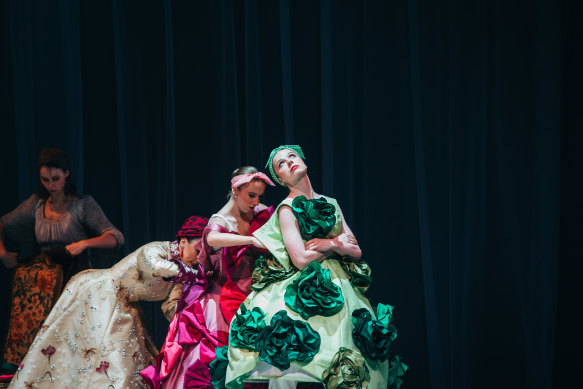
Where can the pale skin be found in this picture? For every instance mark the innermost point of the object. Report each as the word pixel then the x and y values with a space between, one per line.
pixel 292 171
pixel 239 212
pixel 58 203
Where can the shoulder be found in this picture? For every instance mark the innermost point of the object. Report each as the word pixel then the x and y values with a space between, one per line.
pixel 25 211
pixel 156 249
pixel 35 197
pixel 285 205
pixel 31 204
pixel 285 213
pixel 87 204
pixel 86 200
pixel 34 201
pixel 217 220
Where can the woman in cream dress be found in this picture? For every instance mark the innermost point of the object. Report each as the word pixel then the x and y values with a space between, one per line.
pixel 93 337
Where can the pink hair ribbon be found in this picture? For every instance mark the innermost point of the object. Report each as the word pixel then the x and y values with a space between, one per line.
pixel 241 179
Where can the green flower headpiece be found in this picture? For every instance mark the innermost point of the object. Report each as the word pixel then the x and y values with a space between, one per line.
pixel 269 163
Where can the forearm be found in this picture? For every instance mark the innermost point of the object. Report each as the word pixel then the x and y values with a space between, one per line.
pixel 346 249
pixel 169 305
pixel 301 260
pixel 220 239
pixel 104 241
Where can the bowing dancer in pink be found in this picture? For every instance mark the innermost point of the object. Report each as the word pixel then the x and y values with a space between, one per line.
pixel 204 312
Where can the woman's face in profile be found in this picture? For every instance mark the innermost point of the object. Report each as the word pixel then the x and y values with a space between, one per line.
pixel 53 179
pixel 249 195
pixel 188 251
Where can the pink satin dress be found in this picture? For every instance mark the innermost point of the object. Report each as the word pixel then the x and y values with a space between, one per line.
pixel 204 313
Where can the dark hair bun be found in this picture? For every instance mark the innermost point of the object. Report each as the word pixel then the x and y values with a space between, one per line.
pixel 52 157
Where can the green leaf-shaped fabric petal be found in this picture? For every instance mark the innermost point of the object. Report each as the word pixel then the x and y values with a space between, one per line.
pixel 286 340
pixel 359 273
pixel 372 337
pixel 268 270
pixel 385 314
pixel 218 367
pixel 316 217
pixel 245 327
pixel 397 370
pixel 313 293
pixel 347 370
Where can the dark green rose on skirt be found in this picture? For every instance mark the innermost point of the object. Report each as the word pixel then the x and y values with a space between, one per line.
pixel 397 370
pixel 313 293
pixel 359 273
pixel 373 337
pixel 385 315
pixel 346 371
pixel 316 217
pixel 218 367
pixel 286 340
pixel 268 270
pixel 245 327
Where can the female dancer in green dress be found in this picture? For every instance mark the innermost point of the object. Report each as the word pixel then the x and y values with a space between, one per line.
pixel 307 319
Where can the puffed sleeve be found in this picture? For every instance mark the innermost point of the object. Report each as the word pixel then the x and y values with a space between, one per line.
pixel 18 225
pixel 95 221
pixel 155 261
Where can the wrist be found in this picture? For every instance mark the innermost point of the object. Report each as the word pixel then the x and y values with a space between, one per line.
pixel 333 244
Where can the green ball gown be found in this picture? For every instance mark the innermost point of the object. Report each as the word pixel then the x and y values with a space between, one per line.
pixel 314 325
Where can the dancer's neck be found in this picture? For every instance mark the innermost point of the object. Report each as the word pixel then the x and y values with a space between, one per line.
pixel 58 198
pixel 303 188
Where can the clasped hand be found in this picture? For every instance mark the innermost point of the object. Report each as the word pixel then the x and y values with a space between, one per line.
pixel 320 245
pixel 76 248
pixel 328 245
pixel 9 258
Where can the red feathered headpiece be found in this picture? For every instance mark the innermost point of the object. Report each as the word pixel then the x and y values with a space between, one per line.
pixel 192 228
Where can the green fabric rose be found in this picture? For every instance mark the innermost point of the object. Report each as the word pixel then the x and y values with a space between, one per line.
pixel 359 273
pixel 316 217
pixel 286 340
pixel 268 270
pixel 313 293
pixel 385 314
pixel 218 367
pixel 397 370
pixel 346 371
pixel 374 337
pixel 245 327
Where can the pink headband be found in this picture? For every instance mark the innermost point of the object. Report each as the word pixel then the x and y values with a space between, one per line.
pixel 241 179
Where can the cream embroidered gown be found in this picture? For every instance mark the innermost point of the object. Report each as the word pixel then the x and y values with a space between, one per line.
pixel 93 337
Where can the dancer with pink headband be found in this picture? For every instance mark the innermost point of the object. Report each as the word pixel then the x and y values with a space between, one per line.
pixel 227 255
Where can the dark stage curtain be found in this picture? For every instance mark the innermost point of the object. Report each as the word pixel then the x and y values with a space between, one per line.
pixel 440 126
